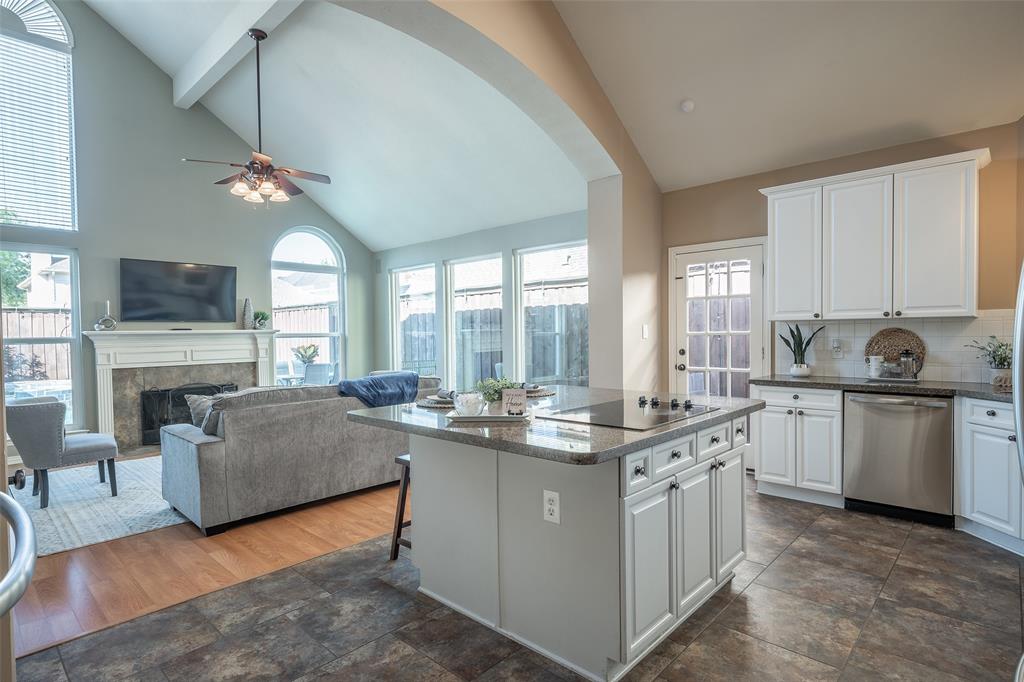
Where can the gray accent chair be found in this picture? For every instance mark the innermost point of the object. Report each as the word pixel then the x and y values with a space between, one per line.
pixel 36 427
pixel 318 374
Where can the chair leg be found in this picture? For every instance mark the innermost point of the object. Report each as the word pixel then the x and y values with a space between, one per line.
pixel 113 477
pixel 35 482
pixel 396 536
pixel 103 474
pixel 44 489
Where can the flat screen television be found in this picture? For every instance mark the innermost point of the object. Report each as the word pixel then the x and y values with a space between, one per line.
pixel 157 291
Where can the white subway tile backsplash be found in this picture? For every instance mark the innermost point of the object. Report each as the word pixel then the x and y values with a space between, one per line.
pixel 945 339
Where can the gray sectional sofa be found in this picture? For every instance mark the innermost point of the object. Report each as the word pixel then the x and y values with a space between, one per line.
pixel 265 449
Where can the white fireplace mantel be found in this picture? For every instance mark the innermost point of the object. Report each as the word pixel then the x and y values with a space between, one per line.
pixel 160 348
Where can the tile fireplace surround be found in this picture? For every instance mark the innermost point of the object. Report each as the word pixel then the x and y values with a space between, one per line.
pixel 165 359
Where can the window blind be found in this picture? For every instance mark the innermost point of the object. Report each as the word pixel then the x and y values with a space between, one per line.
pixel 37 162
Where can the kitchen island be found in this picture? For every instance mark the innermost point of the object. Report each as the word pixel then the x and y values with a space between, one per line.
pixel 587 543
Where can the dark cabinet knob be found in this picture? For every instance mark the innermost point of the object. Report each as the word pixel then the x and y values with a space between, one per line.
pixel 898 313
pixel 682 351
pixel 991 413
pixel 796 396
pixel 681 367
pixel 739 429
pixel 639 470
pixel 1012 438
pixel 674 485
pixel 715 439
pixel 885 314
pixel 789 411
pixel 676 454
pixel 817 315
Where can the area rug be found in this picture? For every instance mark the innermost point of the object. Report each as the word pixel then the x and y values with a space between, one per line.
pixel 82 512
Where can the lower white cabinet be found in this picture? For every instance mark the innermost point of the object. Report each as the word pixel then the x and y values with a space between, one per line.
pixel 990 484
pixel 800 446
pixel 776 445
pixel 682 537
pixel 819 447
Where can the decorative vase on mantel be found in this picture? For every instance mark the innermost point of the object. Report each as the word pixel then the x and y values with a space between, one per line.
pixel 247 321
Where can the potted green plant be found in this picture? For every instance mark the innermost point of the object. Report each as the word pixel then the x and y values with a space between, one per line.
pixel 492 388
pixel 306 354
pixel 798 345
pixel 260 319
pixel 999 357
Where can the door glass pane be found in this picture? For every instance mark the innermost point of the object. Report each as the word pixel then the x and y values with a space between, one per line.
pixel 696 281
pixel 717 284
pixel 696 312
pixel 476 321
pixel 739 272
pixel 718 383
pixel 716 315
pixel 555 316
pixel 717 351
pixel 698 351
pixel 740 314
pixel 416 309
pixel 740 351
pixel 740 384
pixel 697 383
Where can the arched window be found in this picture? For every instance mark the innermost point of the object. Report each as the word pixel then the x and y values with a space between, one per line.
pixel 37 146
pixel 308 289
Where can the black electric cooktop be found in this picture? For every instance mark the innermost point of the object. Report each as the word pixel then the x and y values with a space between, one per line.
pixel 638 415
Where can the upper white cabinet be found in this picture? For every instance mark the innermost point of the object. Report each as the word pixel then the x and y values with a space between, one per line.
pixel 857 243
pixel 898 241
pixel 794 226
pixel 936 241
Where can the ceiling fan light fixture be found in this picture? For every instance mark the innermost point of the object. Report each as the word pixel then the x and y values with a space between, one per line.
pixel 240 189
pixel 254 197
pixel 267 186
pixel 279 195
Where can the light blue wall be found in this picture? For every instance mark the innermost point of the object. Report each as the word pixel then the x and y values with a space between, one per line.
pixel 136 199
pixel 504 240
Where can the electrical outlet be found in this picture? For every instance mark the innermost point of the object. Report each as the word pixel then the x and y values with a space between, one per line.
pixel 837 348
pixel 645 332
pixel 552 507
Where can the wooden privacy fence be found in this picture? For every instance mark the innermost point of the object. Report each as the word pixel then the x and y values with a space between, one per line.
pixel 36 361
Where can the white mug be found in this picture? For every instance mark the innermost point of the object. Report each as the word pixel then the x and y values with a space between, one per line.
pixel 874 366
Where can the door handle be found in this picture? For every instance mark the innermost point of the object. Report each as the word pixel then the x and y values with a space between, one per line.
pixel 906 402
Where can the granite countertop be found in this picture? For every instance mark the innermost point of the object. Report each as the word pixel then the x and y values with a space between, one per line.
pixel 564 442
pixel 945 389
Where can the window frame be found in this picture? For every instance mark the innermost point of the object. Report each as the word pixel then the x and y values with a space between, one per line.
pixel 518 302
pixel 74 341
pixel 393 315
pixel 341 273
pixel 449 311
pixel 65 48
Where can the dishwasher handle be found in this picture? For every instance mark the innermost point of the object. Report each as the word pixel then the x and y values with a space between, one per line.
pixel 908 402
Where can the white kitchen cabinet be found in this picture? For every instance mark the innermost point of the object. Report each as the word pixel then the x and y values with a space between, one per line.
pixel 819 447
pixel 776 434
pixel 730 535
pixel 649 564
pixel 990 483
pixel 857 249
pixel 794 254
pixel 696 575
pixel 936 241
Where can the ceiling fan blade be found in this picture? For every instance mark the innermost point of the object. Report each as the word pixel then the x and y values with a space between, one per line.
pixel 306 175
pixel 229 180
pixel 262 159
pixel 289 187
pixel 221 163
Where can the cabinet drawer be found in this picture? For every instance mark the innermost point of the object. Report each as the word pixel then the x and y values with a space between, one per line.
pixel 713 441
pixel 788 396
pixel 989 413
pixel 674 456
pixel 740 429
pixel 637 472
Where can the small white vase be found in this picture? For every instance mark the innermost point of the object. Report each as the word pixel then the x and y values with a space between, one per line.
pixel 799 370
pixel 1002 379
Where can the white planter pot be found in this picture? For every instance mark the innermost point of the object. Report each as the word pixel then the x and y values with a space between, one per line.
pixel 799 370
pixel 1002 379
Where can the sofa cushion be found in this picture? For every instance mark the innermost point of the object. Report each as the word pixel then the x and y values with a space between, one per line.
pixel 199 406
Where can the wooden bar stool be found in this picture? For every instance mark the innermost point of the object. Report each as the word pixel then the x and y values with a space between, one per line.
pixel 400 522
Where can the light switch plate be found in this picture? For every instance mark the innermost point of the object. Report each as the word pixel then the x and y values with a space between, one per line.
pixel 837 348
pixel 552 508
pixel 645 332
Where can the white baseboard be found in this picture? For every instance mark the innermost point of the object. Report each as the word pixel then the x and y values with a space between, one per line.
pixel 801 494
pixel 990 535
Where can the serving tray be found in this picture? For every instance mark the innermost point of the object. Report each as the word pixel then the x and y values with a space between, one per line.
pixel 455 417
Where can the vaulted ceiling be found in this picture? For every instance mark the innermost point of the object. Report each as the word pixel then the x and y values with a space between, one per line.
pixel 777 84
pixel 418 147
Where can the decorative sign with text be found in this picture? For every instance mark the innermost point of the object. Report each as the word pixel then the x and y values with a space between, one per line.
pixel 513 401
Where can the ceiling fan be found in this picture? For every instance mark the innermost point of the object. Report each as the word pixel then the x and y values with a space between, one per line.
pixel 259 177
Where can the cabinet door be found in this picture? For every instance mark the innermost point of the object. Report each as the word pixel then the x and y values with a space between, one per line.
pixel 935 241
pixel 990 479
pixel 695 558
pixel 819 447
pixel 776 462
pixel 857 247
pixel 794 264
pixel 730 524
pixel 648 576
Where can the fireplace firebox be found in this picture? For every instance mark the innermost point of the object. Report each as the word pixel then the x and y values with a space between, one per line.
pixel 163 406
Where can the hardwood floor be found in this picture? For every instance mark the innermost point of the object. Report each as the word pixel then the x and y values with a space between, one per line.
pixel 95 587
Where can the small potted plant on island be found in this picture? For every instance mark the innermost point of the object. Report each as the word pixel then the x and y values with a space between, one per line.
pixel 491 388
pixel 260 319
pixel 799 345
pixel 999 356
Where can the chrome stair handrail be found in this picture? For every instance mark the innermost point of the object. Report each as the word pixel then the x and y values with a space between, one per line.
pixel 14 584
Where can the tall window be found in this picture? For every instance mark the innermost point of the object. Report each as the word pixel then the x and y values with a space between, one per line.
pixel 40 325
pixel 308 296
pixel 37 150
pixel 414 315
pixel 475 322
pixel 555 319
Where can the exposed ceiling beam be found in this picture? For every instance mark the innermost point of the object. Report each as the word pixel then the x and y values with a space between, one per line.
pixel 226 46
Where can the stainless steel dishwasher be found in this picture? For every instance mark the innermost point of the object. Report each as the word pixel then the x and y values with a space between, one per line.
pixel 898 455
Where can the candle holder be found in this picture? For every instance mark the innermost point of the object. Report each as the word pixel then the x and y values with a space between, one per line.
pixel 105 323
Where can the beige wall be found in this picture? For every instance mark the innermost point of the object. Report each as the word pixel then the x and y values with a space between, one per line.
pixel 734 208
pixel 534 33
